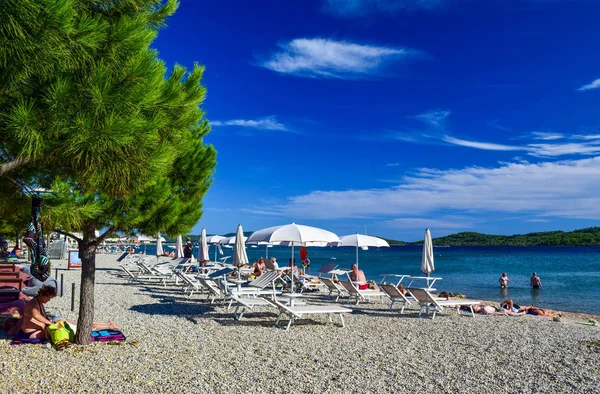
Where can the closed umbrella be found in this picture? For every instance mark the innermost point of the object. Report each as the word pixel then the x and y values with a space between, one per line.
pixel 297 234
pixel 362 241
pixel 240 258
pixel 159 248
pixel 179 247
pixel 427 258
pixel 203 248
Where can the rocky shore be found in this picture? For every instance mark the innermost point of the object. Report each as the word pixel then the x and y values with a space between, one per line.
pixel 186 345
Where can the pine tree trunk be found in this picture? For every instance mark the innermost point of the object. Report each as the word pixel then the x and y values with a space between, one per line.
pixel 87 253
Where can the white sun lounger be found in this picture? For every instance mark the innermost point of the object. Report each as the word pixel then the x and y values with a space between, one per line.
pixel 360 294
pixel 246 303
pixel 426 300
pixel 297 312
pixel 395 296
pixel 333 288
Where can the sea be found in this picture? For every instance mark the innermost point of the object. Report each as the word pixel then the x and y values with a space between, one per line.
pixel 570 275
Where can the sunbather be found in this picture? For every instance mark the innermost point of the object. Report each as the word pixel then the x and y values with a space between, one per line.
pixel 490 310
pixel 530 309
pixel 35 319
pixel 357 275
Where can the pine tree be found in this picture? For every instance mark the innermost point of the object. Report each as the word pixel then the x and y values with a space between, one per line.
pixel 87 110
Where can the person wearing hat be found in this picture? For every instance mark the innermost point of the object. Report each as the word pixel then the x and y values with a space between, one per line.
pixel 188 248
pixel 535 282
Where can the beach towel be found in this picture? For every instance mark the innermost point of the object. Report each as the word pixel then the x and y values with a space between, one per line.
pixel 97 336
pixel 107 336
pixel 589 323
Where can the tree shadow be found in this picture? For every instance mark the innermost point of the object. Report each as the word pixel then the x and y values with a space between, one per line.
pixel 187 311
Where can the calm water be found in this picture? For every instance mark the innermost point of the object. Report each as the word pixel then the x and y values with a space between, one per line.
pixel 570 275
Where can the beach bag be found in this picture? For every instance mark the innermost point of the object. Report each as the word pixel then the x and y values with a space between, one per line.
pixel 60 333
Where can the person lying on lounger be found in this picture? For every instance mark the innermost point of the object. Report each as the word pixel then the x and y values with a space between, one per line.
pixel 530 309
pixel 35 319
pixel 490 310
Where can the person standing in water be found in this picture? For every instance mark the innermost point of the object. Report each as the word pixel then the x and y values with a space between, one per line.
pixel 504 281
pixel 535 282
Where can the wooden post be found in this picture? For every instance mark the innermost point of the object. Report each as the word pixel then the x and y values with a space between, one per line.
pixel 72 297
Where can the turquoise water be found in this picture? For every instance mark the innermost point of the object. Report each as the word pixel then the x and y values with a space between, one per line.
pixel 570 275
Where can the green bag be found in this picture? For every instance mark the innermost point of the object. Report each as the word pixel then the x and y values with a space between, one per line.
pixel 58 333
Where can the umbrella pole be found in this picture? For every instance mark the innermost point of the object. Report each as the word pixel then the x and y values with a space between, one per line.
pixel 266 251
pixel 292 270
pixel 357 261
pixel 215 253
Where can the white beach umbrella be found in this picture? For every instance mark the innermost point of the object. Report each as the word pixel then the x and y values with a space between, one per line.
pixel 427 258
pixel 240 258
pixel 297 234
pixel 179 247
pixel 203 247
pixel 362 241
pixel 214 240
pixel 159 248
pixel 231 240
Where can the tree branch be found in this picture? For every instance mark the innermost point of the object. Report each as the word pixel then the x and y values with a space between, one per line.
pixel 67 234
pixel 11 165
pixel 102 237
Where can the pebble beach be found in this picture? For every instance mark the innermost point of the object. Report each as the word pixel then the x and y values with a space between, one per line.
pixel 184 344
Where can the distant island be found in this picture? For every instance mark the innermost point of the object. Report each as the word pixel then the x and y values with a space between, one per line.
pixel 584 237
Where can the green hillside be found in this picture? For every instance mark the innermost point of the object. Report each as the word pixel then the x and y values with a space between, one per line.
pixel 584 237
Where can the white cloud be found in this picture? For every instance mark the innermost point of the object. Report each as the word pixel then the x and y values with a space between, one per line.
pixel 268 123
pixel 324 58
pixel 593 85
pixel 461 223
pixel 567 189
pixel 392 164
pixel 482 145
pixel 434 117
pixel 588 148
pixel 542 135
pixel 549 150
pixel 361 8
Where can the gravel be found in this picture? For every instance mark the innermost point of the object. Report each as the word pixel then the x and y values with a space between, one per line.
pixel 186 345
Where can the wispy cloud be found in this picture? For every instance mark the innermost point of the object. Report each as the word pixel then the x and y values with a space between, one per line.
pixel 267 123
pixel 496 125
pixel 392 164
pixel 435 118
pixel 593 85
pixel 325 58
pixel 445 222
pixel 543 135
pixel 566 189
pixel 482 145
pixel 362 8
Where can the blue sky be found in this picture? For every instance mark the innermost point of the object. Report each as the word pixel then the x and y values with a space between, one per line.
pixel 397 115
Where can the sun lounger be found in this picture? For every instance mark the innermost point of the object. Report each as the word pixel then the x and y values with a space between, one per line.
pixel 246 303
pixel 297 312
pixel 13 290
pixel 360 294
pixel 426 300
pixel 395 296
pixel 334 288
pixel 136 277
pixel 212 288
pixel 190 282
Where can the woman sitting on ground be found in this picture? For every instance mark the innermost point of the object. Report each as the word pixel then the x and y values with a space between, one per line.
pixel 35 319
